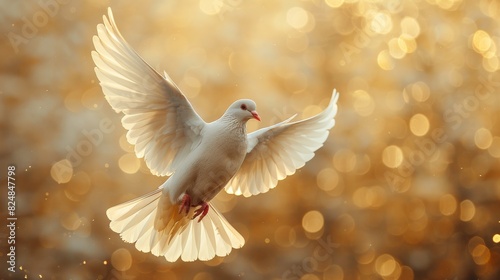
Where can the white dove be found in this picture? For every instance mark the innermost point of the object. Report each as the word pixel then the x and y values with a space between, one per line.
pixel 200 158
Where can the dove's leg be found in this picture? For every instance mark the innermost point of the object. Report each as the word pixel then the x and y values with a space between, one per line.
pixel 185 204
pixel 202 211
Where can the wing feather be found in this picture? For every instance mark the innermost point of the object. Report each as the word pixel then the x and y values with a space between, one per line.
pixel 279 150
pixel 161 122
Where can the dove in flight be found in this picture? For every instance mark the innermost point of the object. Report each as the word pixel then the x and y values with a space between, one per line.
pixel 177 220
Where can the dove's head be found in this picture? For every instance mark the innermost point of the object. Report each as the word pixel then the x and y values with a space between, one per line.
pixel 243 109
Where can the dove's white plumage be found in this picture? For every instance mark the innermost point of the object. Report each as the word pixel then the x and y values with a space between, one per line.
pixel 277 151
pixel 200 158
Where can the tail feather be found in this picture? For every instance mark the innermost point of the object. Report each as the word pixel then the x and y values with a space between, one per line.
pixel 144 235
pixel 141 216
pixel 156 226
pixel 124 210
pixel 207 239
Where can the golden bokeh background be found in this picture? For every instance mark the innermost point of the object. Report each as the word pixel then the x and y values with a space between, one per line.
pixel 406 187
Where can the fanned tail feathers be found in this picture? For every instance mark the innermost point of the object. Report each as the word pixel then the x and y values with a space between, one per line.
pixel 156 226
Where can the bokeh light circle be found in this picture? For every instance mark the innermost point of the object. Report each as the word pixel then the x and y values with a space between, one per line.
pixel 313 221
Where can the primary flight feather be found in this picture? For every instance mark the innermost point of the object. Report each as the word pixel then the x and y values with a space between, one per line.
pixel 177 220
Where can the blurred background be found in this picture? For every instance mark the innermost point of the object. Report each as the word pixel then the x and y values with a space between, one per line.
pixel 406 187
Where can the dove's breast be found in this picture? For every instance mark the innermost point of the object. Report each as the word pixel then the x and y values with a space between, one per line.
pixel 220 160
pixel 210 166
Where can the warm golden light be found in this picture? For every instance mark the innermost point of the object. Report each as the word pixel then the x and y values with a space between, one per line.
pixel 420 91
pixel 333 272
pixel 209 7
pixel 71 221
pixel 312 221
pixel 363 104
pixel 203 276
pixel 419 124
pixel 494 149
pixel 410 27
pixel 483 138
pixel 482 41
pixel 481 254
pixel 381 23
pixel 385 61
pixel 365 197
pixel 297 17
pixel 395 48
pixel 62 171
pixel 121 259
pixel 467 210
pixel 344 160
pixel 327 179
pixel 386 266
pixel 447 204
pixel 125 145
pixel 129 163
pixel 407 44
pixel 496 238
pixel 334 3
pixel 392 156
pixel 282 236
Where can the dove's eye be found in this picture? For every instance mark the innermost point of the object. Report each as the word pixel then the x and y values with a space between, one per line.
pixel 243 107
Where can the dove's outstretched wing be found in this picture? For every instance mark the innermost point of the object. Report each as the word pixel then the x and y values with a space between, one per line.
pixel 161 122
pixel 278 151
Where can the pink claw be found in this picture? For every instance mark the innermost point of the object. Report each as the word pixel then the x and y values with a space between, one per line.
pixel 202 211
pixel 185 204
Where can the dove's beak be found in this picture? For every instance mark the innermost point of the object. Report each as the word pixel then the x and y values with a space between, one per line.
pixel 255 115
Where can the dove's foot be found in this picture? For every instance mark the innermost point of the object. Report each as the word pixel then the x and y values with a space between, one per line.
pixel 185 204
pixel 202 211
